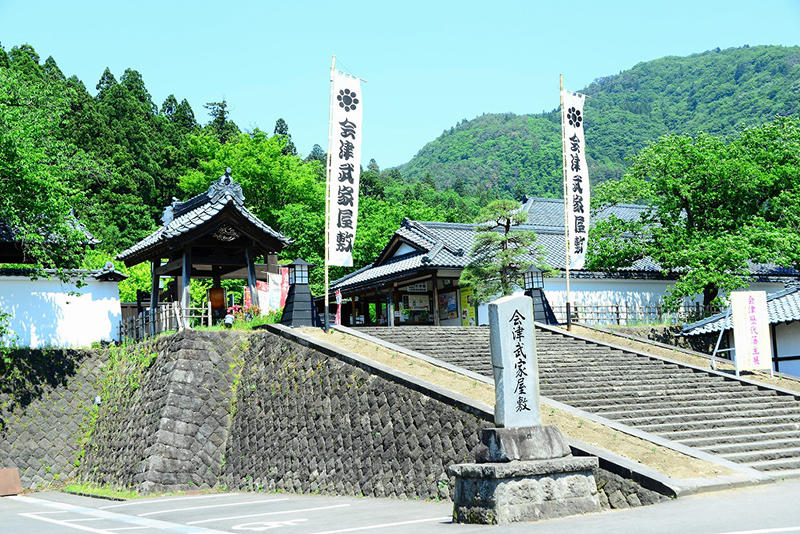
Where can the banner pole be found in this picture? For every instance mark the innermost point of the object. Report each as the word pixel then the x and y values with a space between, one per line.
pixel 328 199
pixel 566 218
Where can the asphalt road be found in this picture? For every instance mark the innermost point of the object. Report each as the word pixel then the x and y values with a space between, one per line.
pixel 768 509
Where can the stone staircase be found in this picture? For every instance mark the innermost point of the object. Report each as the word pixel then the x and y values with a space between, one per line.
pixel 755 426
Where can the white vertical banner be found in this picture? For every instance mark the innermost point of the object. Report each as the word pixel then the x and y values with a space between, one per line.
pixel 345 161
pixel 751 330
pixel 577 178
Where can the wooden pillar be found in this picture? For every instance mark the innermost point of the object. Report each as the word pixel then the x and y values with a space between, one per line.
pixel 216 276
pixel 186 283
pixel 154 295
pixel 776 366
pixel 353 309
pixel 435 301
pixel 251 276
pixel 389 310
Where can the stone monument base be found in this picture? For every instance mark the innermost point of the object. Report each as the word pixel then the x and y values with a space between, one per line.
pixel 499 493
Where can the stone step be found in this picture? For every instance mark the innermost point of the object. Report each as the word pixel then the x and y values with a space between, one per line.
pixel 763 455
pixel 717 424
pixel 744 439
pixel 665 413
pixel 582 370
pixel 753 445
pixel 633 377
pixel 703 399
pixel 605 390
pixel 721 390
pixel 779 464
pixel 730 432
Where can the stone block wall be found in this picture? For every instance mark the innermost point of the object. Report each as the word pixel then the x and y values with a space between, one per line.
pixel 42 411
pixel 169 433
pixel 307 422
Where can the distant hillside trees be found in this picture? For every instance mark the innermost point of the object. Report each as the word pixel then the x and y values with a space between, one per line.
pixel 716 92
pixel 716 204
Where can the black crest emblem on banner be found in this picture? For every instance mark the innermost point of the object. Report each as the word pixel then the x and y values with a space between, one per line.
pixel 573 117
pixel 347 99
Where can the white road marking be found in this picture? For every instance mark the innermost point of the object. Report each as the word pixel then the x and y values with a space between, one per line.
pixel 386 525
pixel 82 519
pixel 210 506
pixel 110 516
pixel 64 524
pixel 263 526
pixel 124 528
pixel 766 530
pixel 268 513
pixel 168 499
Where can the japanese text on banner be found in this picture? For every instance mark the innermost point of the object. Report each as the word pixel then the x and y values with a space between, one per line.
pixel 576 176
pixel 345 161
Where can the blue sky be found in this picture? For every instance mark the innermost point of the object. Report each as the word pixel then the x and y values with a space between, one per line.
pixel 428 64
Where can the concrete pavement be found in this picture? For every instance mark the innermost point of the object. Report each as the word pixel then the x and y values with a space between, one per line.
pixel 764 509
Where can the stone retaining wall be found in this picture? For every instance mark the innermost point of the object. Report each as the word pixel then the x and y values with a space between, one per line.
pixel 310 423
pixel 253 412
pixel 169 432
pixel 42 411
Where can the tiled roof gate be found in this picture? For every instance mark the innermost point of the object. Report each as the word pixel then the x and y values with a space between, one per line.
pixel 212 235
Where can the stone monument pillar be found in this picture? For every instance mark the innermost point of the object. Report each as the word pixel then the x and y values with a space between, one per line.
pixel 524 471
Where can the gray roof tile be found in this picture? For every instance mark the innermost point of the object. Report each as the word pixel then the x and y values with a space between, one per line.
pixel 782 307
pixel 448 245
pixel 201 208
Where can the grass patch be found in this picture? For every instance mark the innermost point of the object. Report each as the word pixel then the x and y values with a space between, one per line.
pixel 102 491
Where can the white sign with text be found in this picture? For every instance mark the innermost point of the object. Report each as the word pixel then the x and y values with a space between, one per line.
pixel 751 330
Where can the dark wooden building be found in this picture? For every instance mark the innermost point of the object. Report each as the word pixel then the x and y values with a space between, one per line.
pixel 212 235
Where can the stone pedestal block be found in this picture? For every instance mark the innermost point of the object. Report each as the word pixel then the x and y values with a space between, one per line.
pixel 527 443
pixel 499 493
pixel 9 482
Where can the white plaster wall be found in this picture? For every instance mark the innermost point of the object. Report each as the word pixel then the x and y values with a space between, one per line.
pixel 44 313
pixel 604 292
pixel 787 337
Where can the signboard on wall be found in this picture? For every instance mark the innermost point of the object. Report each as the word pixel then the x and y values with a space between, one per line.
pixel 751 330
pixel 467 308
pixel 448 306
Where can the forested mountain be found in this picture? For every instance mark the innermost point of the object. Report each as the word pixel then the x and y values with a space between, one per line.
pixel 716 92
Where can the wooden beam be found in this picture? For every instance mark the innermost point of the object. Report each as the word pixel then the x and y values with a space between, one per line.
pixel 153 295
pixel 435 301
pixel 251 276
pixel 186 283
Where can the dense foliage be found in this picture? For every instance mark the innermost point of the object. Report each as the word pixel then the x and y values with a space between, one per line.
pixel 717 92
pixel 117 159
pixel 715 206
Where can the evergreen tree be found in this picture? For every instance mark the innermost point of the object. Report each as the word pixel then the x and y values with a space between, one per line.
pixel 317 154
pixel 501 253
pixel 106 82
pixel 51 70
pixel 282 130
pixel 169 107
pixel 220 125
pixel 184 117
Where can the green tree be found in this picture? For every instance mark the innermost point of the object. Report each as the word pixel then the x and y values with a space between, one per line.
pixel 715 205
pixel 501 253
pixel 282 130
pixel 317 154
pixel 220 123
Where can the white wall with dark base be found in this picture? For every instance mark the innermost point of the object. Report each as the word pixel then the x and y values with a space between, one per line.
pixel 51 313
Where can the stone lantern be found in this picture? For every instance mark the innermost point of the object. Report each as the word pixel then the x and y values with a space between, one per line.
pixel 533 280
pixel 299 309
